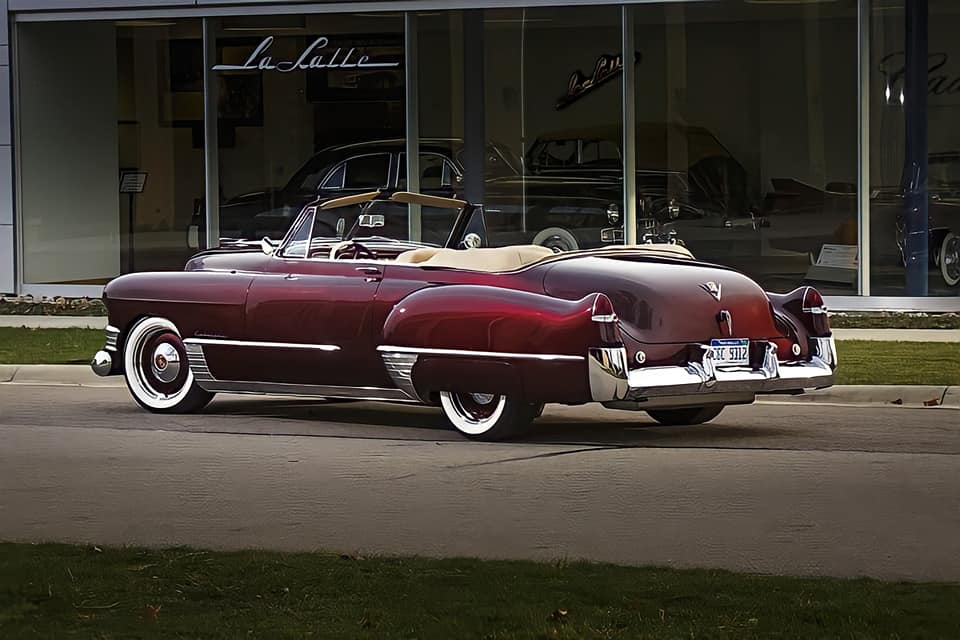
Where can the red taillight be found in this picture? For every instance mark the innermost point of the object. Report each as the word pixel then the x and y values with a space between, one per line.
pixel 813 302
pixel 603 310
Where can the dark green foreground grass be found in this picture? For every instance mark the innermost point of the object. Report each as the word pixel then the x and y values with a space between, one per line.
pixel 59 591
pixel 860 362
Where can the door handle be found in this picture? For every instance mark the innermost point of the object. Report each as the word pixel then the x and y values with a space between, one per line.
pixel 370 270
pixel 290 276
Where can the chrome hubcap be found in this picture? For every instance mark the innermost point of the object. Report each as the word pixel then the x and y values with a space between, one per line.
pixel 483 398
pixel 166 362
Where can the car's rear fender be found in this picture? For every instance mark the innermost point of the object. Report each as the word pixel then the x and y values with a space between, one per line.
pixel 472 338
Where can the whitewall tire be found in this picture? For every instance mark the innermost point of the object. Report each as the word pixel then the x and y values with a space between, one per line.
pixel 156 369
pixel 485 416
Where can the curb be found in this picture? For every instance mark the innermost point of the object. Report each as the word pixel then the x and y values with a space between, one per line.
pixel 906 395
pixel 79 375
pixel 75 375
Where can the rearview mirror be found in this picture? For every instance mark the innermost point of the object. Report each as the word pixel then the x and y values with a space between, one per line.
pixel 371 220
pixel 267 245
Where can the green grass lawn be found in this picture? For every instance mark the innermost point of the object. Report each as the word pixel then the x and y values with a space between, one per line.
pixel 48 346
pixel 861 362
pixel 57 591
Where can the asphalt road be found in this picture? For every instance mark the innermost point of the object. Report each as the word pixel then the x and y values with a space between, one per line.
pixel 773 488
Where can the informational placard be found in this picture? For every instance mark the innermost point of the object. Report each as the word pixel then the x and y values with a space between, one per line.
pixel 133 181
pixel 836 263
pixel 844 256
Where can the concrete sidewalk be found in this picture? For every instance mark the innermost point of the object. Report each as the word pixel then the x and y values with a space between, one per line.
pixel 906 395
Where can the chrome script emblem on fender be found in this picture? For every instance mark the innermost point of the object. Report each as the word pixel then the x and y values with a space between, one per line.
pixel 712 288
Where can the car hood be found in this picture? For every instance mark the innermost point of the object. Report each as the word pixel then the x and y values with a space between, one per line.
pixel 666 300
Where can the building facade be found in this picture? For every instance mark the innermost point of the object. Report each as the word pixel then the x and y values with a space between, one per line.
pixel 797 141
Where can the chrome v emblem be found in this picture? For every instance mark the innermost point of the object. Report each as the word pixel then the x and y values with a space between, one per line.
pixel 712 288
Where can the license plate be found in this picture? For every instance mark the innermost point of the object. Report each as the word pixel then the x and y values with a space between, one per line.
pixel 730 352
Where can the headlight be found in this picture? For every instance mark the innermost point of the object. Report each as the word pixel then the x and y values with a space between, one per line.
pixel 613 213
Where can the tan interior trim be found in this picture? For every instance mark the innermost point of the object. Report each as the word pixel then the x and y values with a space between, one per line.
pixel 408 197
pixel 346 201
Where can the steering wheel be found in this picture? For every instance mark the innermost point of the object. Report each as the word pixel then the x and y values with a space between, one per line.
pixel 340 250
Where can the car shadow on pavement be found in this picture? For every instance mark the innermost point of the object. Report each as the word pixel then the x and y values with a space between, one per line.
pixel 556 426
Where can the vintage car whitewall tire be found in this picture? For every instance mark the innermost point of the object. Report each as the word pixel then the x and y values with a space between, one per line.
pixel 486 416
pixel 685 416
pixel 557 239
pixel 949 259
pixel 156 370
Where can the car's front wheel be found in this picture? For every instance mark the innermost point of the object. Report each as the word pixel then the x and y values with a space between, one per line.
pixel 487 416
pixel 156 369
pixel 690 415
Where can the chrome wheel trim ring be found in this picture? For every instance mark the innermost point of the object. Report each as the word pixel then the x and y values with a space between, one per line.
pixel 133 358
pixel 467 422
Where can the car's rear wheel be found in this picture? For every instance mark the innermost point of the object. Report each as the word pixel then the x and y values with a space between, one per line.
pixel 486 416
pixel 156 369
pixel 690 415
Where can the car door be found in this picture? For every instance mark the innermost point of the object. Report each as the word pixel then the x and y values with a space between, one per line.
pixel 307 320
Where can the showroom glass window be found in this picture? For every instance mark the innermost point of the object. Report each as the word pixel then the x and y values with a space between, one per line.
pixel 527 104
pixel 889 158
pixel 288 134
pixel 746 143
pixel 111 147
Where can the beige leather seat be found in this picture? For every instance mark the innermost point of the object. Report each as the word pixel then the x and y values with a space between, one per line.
pixel 509 258
pixel 488 259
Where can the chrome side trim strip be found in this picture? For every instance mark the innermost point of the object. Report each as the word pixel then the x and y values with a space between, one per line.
pixel 479 354
pixel 206 380
pixel 266 345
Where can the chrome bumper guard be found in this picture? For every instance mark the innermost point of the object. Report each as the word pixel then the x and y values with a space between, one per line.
pixel 611 379
pixel 103 360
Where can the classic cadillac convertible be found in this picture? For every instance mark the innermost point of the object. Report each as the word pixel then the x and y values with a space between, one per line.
pixel 488 334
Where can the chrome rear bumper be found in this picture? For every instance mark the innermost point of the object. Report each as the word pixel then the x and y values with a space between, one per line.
pixel 611 379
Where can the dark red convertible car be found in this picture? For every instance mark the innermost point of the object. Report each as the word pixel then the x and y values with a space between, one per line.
pixel 488 334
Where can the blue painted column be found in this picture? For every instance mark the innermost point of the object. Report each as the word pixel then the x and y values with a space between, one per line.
pixel 916 221
pixel 7 241
pixel 474 98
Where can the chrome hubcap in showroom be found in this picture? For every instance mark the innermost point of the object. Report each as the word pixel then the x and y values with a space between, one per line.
pixel 950 259
pixel 166 362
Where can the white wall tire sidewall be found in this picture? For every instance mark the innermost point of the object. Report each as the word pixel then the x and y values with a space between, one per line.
pixel 131 366
pixel 464 423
